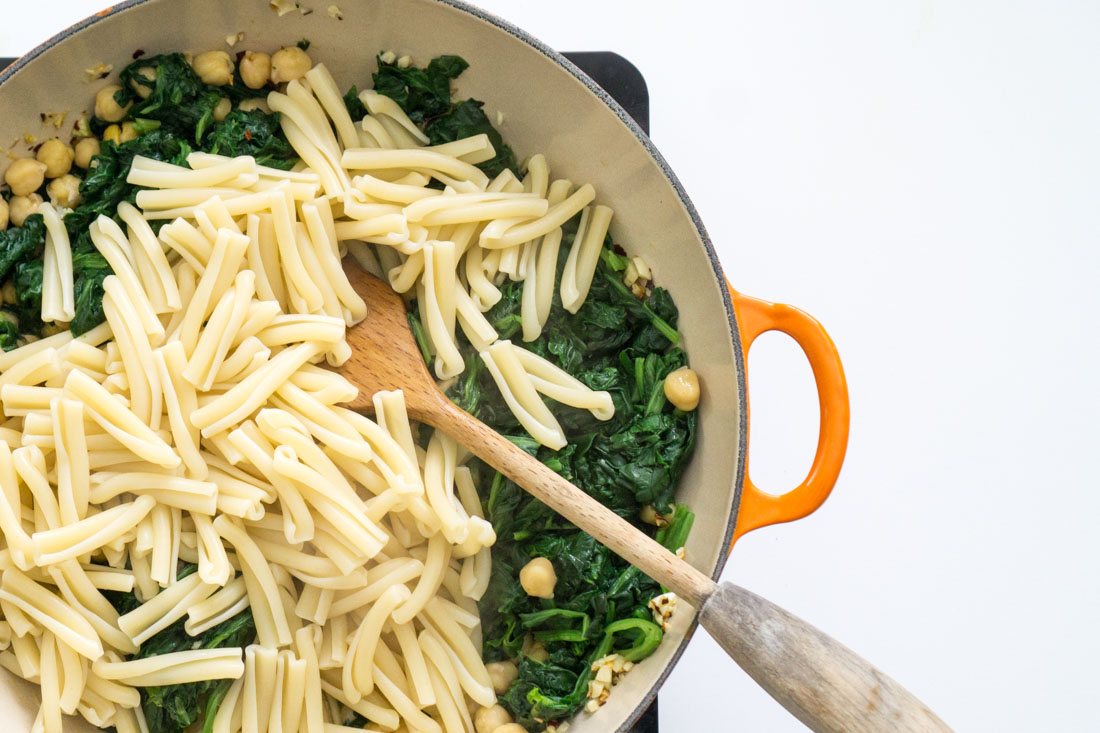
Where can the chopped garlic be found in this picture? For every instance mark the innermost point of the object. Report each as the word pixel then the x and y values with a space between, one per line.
pixel 649 515
pixel 630 274
pixel 642 267
pixel 97 72
pixel 335 12
pixel 404 62
pixel 609 672
pixel 500 117
pixel 282 7
pixel 234 38
pixel 387 57
pixel 662 608
pixel 57 119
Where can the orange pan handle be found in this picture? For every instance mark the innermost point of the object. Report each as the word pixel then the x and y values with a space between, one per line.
pixel 758 508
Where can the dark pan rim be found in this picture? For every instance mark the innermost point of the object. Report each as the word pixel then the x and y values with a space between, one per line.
pixel 704 238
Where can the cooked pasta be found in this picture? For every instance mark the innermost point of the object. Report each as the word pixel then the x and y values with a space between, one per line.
pixel 202 431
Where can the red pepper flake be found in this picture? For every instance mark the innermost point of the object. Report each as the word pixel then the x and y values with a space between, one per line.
pixel 248 135
pixel 139 53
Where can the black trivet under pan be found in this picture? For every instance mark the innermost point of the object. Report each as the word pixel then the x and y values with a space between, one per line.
pixel 622 80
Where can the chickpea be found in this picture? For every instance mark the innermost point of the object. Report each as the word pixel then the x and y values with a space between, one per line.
pixel 112 134
pixel 289 63
pixel 511 728
pixel 20 207
pixel 535 650
pixel 255 69
pixel 250 104
pixel 65 191
pixel 86 149
pixel 106 108
pixel 25 176
pixel 3 215
pixel 127 133
pixel 57 157
pixel 502 674
pixel 487 720
pixel 682 389
pixel 149 74
pixel 538 578
pixel 214 68
pixel 223 108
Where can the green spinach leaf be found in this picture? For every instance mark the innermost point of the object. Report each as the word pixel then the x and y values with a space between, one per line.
pixel 425 95
pixel 173 708
pixel 9 335
pixel 252 132
pixel 18 244
pixel 467 119
pixel 422 93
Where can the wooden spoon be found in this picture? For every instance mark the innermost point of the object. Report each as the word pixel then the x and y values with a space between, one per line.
pixel 823 683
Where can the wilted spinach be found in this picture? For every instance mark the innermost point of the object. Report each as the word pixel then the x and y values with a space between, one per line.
pixel 627 346
pixel 90 269
pixel 173 708
pixel 356 109
pixel 105 186
pixel 425 95
pixel 21 259
pixel 252 132
pixel 103 189
pixel 9 335
pixel 175 96
pixel 21 243
pixel 465 120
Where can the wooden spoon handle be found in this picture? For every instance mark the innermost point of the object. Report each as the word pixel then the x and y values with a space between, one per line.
pixel 819 680
pixel 611 530
pixel 823 683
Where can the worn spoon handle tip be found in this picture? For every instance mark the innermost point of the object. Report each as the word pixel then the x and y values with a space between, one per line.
pixel 820 681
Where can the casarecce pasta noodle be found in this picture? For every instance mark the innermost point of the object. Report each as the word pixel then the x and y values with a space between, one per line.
pixel 185 470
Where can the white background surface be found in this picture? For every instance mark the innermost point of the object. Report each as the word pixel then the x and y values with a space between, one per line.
pixel 923 178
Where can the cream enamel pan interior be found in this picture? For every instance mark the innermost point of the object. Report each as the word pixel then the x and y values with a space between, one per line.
pixel 548 107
